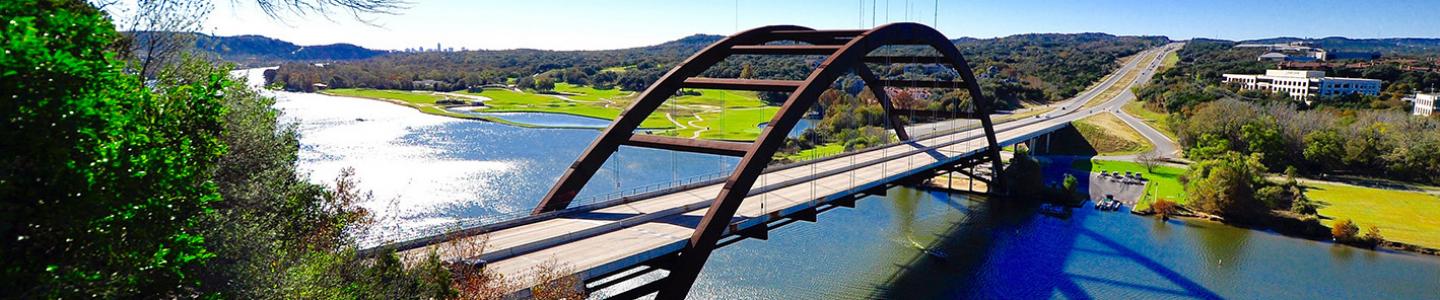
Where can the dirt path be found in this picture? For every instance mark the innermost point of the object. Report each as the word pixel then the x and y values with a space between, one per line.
pixel 702 129
pixel 677 123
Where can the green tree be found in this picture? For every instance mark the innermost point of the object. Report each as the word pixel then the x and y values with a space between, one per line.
pixel 1264 138
pixel 1226 185
pixel 104 178
pixel 544 84
pixel 1324 148
pixel 525 83
pixel 1209 146
pixel 1023 177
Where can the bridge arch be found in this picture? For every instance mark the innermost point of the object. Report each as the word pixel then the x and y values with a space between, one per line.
pixel 846 51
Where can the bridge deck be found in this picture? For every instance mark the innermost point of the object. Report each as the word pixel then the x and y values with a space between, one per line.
pixel 603 240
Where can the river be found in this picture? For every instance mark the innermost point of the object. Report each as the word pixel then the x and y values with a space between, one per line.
pixel 426 170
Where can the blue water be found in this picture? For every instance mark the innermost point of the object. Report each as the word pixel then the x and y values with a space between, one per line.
pixel 799 128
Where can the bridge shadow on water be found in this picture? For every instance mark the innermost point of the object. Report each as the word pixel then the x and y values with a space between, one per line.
pixel 1004 248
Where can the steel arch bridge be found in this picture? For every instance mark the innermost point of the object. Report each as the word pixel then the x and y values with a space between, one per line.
pixel 846 51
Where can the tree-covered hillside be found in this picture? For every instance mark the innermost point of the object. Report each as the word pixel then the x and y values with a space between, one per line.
pixel 1030 67
pixel 254 50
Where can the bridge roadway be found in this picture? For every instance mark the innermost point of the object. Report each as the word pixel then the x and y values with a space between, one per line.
pixel 597 241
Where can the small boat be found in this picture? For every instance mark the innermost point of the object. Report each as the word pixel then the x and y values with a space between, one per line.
pixel 937 254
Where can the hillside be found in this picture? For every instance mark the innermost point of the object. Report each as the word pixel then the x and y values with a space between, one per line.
pixel 1029 67
pixel 1387 46
pixel 255 50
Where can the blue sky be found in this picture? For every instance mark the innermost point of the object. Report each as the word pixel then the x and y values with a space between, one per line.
pixel 566 25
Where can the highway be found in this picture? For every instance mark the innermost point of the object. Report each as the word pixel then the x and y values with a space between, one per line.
pixel 595 241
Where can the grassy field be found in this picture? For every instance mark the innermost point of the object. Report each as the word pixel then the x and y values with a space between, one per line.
pixel 420 100
pixel 587 93
pixel 1157 120
pixel 1108 135
pixel 715 114
pixel 1164 181
pixel 736 124
pixel 818 152
pixel 1411 217
pixel 1122 84
pixel 502 100
pixel 1169 62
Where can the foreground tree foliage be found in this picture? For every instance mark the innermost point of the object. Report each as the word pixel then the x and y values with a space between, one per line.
pixel 184 186
pixel 104 180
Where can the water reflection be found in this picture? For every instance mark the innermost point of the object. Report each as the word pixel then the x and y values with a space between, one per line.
pixel 800 126
pixel 426 171
pixel 996 249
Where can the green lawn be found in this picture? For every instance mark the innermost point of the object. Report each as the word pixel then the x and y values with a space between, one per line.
pixel 588 93
pixel 619 69
pixel 1158 120
pixel 420 100
pixel 1164 182
pixel 416 97
pixel 1169 62
pixel 735 124
pixel 719 98
pixel 1108 135
pixel 728 115
pixel 818 152
pixel 502 100
pixel 1410 217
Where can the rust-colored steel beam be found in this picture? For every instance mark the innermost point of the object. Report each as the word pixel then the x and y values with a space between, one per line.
pixel 845 51
pixel 594 156
pixel 689 145
pixel 737 186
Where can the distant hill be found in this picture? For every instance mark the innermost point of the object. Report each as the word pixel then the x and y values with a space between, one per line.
pixel 1033 67
pixel 251 50
pixel 1389 46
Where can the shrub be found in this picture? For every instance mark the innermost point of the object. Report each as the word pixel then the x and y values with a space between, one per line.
pixel 1164 208
pixel 1344 231
pixel 1302 205
pixel 1373 236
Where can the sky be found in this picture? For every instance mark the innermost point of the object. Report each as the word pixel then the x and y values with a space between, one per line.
pixel 590 25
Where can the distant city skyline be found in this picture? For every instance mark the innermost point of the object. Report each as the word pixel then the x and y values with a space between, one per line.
pixel 594 25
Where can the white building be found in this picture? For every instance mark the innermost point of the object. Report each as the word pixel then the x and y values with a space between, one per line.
pixel 1424 103
pixel 1302 85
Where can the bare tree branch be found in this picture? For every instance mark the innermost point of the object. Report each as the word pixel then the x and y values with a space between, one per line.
pixel 357 9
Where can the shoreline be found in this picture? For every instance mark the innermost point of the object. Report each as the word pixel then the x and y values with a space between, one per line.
pixel 1387 245
pixel 461 116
